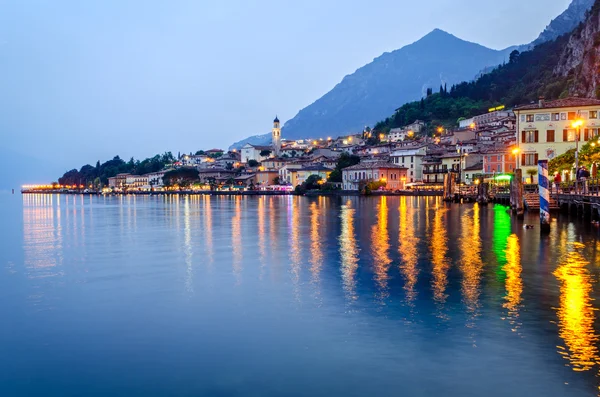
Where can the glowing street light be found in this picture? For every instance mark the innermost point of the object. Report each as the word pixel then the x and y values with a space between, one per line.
pixel 440 130
pixel 515 153
pixel 577 123
pixel 472 126
pixel 381 136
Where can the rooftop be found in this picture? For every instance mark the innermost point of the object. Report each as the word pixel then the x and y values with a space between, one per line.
pixel 561 103
pixel 373 165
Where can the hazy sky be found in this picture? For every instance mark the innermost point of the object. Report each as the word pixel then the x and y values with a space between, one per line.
pixel 86 80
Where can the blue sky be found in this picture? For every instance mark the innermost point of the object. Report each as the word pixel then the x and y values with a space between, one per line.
pixel 82 81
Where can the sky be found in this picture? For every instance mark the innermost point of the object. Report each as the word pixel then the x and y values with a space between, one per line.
pixel 82 81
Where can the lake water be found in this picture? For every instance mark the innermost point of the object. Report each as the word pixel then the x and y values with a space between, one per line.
pixel 294 296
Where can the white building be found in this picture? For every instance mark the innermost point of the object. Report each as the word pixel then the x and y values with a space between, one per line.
pixel 253 152
pixel 155 179
pixel 411 158
pixel 136 181
pixel 276 137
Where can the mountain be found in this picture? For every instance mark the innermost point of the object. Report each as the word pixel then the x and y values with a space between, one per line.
pixel 559 68
pixel 565 22
pixel 580 59
pixel 394 78
pixel 264 139
pixel 401 76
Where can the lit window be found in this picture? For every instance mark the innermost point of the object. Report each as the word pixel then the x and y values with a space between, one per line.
pixel 529 118
pixel 593 114
pixel 571 115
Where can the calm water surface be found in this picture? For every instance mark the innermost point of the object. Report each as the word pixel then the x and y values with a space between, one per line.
pixel 294 296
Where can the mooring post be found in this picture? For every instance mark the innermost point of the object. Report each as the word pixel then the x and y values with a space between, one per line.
pixel 519 194
pixel 544 189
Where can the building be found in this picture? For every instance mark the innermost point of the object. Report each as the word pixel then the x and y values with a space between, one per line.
pixel 273 163
pixel 395 176
pixel 319 170
pixel 499 161
pixel 118 181
pixel 433 170
pixel 136 181
pixel 288 173
pixel 545 129
pixel 253 152
pixel 276 137
pixel 155 179
pixel 492 117
pixel 400 134
pixel 410 157
pixel 266 178
pixel 472 172
pixel 194 160
pixel 214 174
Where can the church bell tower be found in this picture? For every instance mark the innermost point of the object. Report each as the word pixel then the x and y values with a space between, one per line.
pixel 276 137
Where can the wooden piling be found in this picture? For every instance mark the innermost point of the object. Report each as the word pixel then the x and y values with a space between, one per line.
pixel 518 188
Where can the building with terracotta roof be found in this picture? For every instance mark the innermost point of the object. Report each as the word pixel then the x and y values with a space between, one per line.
pixel 394 175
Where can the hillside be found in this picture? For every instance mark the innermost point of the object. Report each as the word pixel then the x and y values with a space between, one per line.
pixel 376 89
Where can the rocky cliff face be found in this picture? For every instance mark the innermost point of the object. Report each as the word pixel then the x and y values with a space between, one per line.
pixel 565 22
pixel 580 59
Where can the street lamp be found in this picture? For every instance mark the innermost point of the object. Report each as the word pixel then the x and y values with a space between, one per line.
pixel 577 125
pixel 515 152
pixel 440 130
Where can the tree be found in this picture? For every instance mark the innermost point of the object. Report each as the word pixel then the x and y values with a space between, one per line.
pixel 313 182
pixel 265 153
pixel 276 181
pixel 200 152
pixel 345 160
pixel 253 163
pixel 181 176
pixel 514 56
pixel 531 172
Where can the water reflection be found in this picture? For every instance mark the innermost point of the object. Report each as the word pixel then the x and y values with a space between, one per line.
pixel 208 225
pixel 514 284
pixel 471 264
pixel 295 248
pixel 407 246
pixel 42 235
pixel 316 245
pixel 439 250
pixel 262 235
pixel 576 312
pixel 236 239
pixel 187 246
pixel 380 247
pixel 348 250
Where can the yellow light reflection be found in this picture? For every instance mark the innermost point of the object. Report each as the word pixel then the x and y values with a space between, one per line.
pixel 187 246
pixel 348 251
pixel 316 246
pixel 439 260
pixel 208 240
pixel 471 264
pixel 407 246
pixel 514 284
pixel 295 251
pixel 576 313
pixel 380 247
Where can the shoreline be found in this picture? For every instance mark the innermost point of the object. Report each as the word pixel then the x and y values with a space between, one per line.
pixel 334 193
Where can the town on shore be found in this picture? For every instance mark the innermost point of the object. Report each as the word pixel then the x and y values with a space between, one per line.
pixel 489 146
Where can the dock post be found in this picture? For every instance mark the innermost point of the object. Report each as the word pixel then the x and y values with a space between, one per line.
pixel 544 189
pixel 518 187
